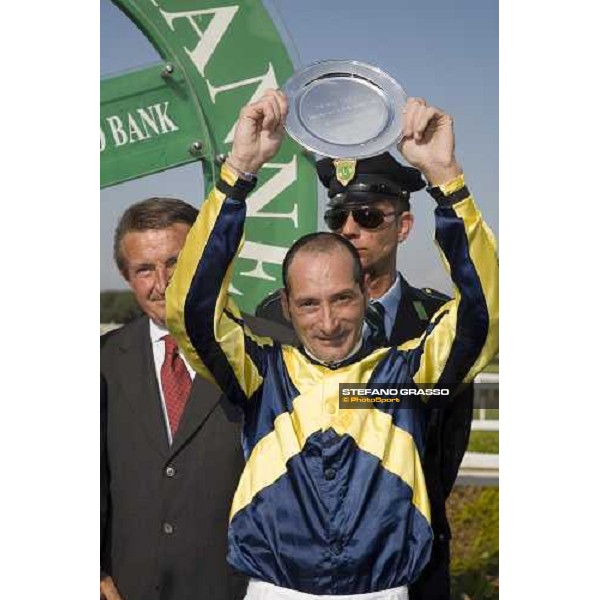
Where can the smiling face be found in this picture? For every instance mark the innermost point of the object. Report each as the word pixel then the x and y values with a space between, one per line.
pixel 325 303
pixel 149 258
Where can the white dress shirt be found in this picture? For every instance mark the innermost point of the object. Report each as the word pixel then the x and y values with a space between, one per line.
pixel 157 332
pixel 390 302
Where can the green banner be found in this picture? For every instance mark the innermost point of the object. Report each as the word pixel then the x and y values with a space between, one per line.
pixel 228 53
pixel 148 122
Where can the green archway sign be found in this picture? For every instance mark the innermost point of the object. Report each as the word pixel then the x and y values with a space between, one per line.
pixel 218 56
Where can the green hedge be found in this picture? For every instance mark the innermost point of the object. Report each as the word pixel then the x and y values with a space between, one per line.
pixel 474 517
pixel 118 307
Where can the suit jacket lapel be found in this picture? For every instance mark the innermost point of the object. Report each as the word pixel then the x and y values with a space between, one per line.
pixel 139 377
pixel 204 396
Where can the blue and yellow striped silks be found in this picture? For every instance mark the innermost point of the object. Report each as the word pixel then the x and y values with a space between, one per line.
pixel 331 501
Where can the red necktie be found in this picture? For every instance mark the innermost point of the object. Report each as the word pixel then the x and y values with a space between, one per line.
pixel 176 382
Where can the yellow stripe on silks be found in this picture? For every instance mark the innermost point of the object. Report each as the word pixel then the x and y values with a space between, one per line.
pixel 374 432
pixel 257 339
pixel 227 332
pixel 482 241
pixel 371 429
pixel 228 175
pixel 231 340
pixel 305 374
pixel 453 185
pixel 302 372
pixel 414 342
pixel 314 409
pixel 269 456
pixel 180 283
pixel 437 346
pixel 438 343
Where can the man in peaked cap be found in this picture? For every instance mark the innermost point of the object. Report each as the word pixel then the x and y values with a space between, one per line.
pixel 369 205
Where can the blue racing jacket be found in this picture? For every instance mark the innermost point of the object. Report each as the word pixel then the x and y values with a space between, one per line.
pixel 331 500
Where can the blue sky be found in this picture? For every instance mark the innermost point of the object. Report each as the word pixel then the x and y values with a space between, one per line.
pixel 444 51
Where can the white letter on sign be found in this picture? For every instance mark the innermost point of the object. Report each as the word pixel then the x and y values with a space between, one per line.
pixel 166 124
pixel 210 38
pixel 116 128
pixel 135 133
pixel 266 81
pixel 262 253
pixel 287 174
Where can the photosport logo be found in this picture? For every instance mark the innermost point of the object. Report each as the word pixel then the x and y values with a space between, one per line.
pixel 356 395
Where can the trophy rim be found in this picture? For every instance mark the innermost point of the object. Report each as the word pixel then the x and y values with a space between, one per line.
pixel 388 88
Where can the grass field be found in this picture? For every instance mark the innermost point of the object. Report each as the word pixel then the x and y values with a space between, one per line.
pixel 474 519
pixel 484 441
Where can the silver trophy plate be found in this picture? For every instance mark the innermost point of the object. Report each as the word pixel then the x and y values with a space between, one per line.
pixel 344 109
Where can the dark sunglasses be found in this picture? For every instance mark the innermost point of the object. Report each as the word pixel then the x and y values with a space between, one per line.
pixel 368 217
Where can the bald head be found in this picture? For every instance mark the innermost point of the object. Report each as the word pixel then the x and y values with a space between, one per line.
pixel 322 243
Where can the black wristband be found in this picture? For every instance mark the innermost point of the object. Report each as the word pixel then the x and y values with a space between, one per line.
pixel 450 199
pixel 239 190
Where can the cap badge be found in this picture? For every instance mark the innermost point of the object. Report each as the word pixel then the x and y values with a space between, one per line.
pixel 345 168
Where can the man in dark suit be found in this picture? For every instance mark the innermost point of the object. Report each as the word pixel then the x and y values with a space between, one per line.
pixel 369 205
pixel 170 445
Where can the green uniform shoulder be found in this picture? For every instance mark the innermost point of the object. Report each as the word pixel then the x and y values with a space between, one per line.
pixel 430 293
pixel 426 301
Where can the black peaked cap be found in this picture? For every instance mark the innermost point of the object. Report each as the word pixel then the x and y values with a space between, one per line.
pixel 382 173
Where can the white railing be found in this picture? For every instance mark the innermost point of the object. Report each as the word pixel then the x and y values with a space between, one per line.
pixel 478 468
pixel 485 394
